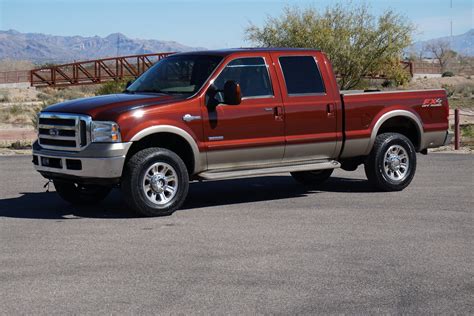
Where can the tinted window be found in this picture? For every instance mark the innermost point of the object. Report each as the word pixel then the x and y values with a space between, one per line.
pixel 301 75
pixel 250 73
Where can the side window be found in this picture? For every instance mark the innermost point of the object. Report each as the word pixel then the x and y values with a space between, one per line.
pixel 301 74
pixel 252 75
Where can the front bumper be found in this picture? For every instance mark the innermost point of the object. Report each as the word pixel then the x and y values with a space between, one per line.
pixel 97 161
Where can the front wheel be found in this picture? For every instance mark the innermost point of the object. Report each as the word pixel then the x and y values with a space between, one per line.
pixel 391 164
pixel 155 182
pixel 81 194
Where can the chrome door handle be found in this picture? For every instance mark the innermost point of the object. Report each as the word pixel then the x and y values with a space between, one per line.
pixel 189 117
pixel 268 109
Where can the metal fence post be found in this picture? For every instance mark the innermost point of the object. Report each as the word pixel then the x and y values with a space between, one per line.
pixel 457 134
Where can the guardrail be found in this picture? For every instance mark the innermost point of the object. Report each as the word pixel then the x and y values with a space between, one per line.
pixel 94 71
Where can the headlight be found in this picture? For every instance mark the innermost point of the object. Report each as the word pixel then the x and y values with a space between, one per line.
pixel 105 132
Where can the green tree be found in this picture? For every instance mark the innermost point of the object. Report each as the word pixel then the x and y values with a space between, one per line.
pixel 357 42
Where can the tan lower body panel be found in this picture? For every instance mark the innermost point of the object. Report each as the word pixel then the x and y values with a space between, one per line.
pixel 307 166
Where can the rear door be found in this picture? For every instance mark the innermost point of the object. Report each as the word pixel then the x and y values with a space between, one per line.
pixel 251 133
pixel 310 107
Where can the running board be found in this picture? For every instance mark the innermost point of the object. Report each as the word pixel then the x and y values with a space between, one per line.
pixel 217 175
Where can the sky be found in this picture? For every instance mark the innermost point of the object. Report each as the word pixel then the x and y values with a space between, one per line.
pixel 207 23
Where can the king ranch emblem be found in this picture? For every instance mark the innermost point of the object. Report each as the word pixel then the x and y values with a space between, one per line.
pixel 431 103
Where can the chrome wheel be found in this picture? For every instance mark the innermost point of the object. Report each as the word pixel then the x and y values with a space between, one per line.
pixel 160 183
pixel 396 163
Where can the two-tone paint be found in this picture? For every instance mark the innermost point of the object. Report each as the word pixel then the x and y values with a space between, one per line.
pixel 271 130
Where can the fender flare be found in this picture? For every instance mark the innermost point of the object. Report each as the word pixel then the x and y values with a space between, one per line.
pixel 391 114
pixel 198 163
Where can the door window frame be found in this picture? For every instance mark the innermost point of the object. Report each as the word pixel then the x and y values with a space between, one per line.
pixel 303 94
pixel 272 96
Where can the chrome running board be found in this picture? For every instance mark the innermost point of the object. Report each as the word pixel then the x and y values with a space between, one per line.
pixel 217 175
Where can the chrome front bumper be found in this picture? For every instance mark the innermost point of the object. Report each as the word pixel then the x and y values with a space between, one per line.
pixel 100 160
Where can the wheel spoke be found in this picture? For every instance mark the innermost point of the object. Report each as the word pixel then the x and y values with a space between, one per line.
pixel 162 197
pixel 170 189
pixel 170 178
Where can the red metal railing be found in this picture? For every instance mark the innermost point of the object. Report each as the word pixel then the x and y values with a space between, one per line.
pixel 94 71
pixel 14 76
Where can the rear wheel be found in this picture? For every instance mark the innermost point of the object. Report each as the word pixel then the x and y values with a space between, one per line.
pixel 391 164
pixel 81 194
pixel 312 177
pixel 155 182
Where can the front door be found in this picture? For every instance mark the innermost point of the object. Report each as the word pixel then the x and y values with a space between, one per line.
pixel 249 134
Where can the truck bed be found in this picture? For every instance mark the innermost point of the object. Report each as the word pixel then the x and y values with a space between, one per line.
pixel 427 109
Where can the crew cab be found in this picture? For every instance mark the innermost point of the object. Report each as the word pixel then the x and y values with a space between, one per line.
pixel 232 113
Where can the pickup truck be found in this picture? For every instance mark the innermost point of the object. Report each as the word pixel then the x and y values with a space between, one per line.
pixel 233 113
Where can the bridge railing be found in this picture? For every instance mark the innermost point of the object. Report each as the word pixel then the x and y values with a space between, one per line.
pixel 94 71
pixel 14 76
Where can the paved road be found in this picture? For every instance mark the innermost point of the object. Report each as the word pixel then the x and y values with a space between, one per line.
pixel 258 245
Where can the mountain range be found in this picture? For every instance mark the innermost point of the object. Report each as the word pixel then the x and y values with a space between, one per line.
pixel 463 44
pixel 42 48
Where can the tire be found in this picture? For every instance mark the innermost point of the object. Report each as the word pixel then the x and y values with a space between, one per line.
pixel 310 178
pixel 391 164
pixel 155 182
pixel 79 194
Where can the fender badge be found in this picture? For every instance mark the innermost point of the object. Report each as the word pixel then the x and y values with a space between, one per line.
pixel 431 103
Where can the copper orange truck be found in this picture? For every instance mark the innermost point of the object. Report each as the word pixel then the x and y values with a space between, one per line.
pixel 232 113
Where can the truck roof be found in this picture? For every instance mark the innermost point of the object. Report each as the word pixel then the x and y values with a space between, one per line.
pixel 228 51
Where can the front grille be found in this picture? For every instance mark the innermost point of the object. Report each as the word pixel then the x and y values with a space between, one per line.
pixel 64 131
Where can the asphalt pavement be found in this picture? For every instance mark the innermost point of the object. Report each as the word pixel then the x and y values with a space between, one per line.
pixel 262 245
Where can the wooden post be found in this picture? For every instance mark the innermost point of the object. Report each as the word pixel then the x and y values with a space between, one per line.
pixel 457 134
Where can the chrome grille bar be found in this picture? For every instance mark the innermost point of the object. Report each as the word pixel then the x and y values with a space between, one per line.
pixel 62 131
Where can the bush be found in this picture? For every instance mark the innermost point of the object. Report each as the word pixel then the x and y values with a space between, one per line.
pixel 387 83
pixel 34 115
pixel 4 96
pixel 112 87
pixel 447 74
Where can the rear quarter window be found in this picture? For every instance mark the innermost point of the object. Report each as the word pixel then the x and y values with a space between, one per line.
pixel 301 75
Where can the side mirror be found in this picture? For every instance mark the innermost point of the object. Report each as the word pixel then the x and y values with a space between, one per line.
pixel 232 93
pixel 129 83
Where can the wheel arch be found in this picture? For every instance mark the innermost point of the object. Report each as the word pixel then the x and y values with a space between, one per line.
pixel 172 138
pixel 399 121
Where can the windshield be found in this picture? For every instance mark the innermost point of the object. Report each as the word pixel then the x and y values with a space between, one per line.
pixel 182 74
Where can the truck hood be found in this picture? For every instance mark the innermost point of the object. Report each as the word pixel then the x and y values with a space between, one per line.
pixel 106 106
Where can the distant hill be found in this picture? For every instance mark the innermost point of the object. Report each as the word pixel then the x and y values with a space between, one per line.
pixel 41 48
pixel 462 44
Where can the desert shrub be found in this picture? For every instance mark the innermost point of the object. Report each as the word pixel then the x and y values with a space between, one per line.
pixel 387 83
pixel 69 94
pixel 447 74
pixel 39 108
pixel 449 89
pixel 4 96
pixel 112 87
pixel 15 110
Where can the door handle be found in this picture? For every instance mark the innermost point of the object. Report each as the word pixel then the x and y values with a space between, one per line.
pixel 268 109
pixel 278 113
pixel 330 108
